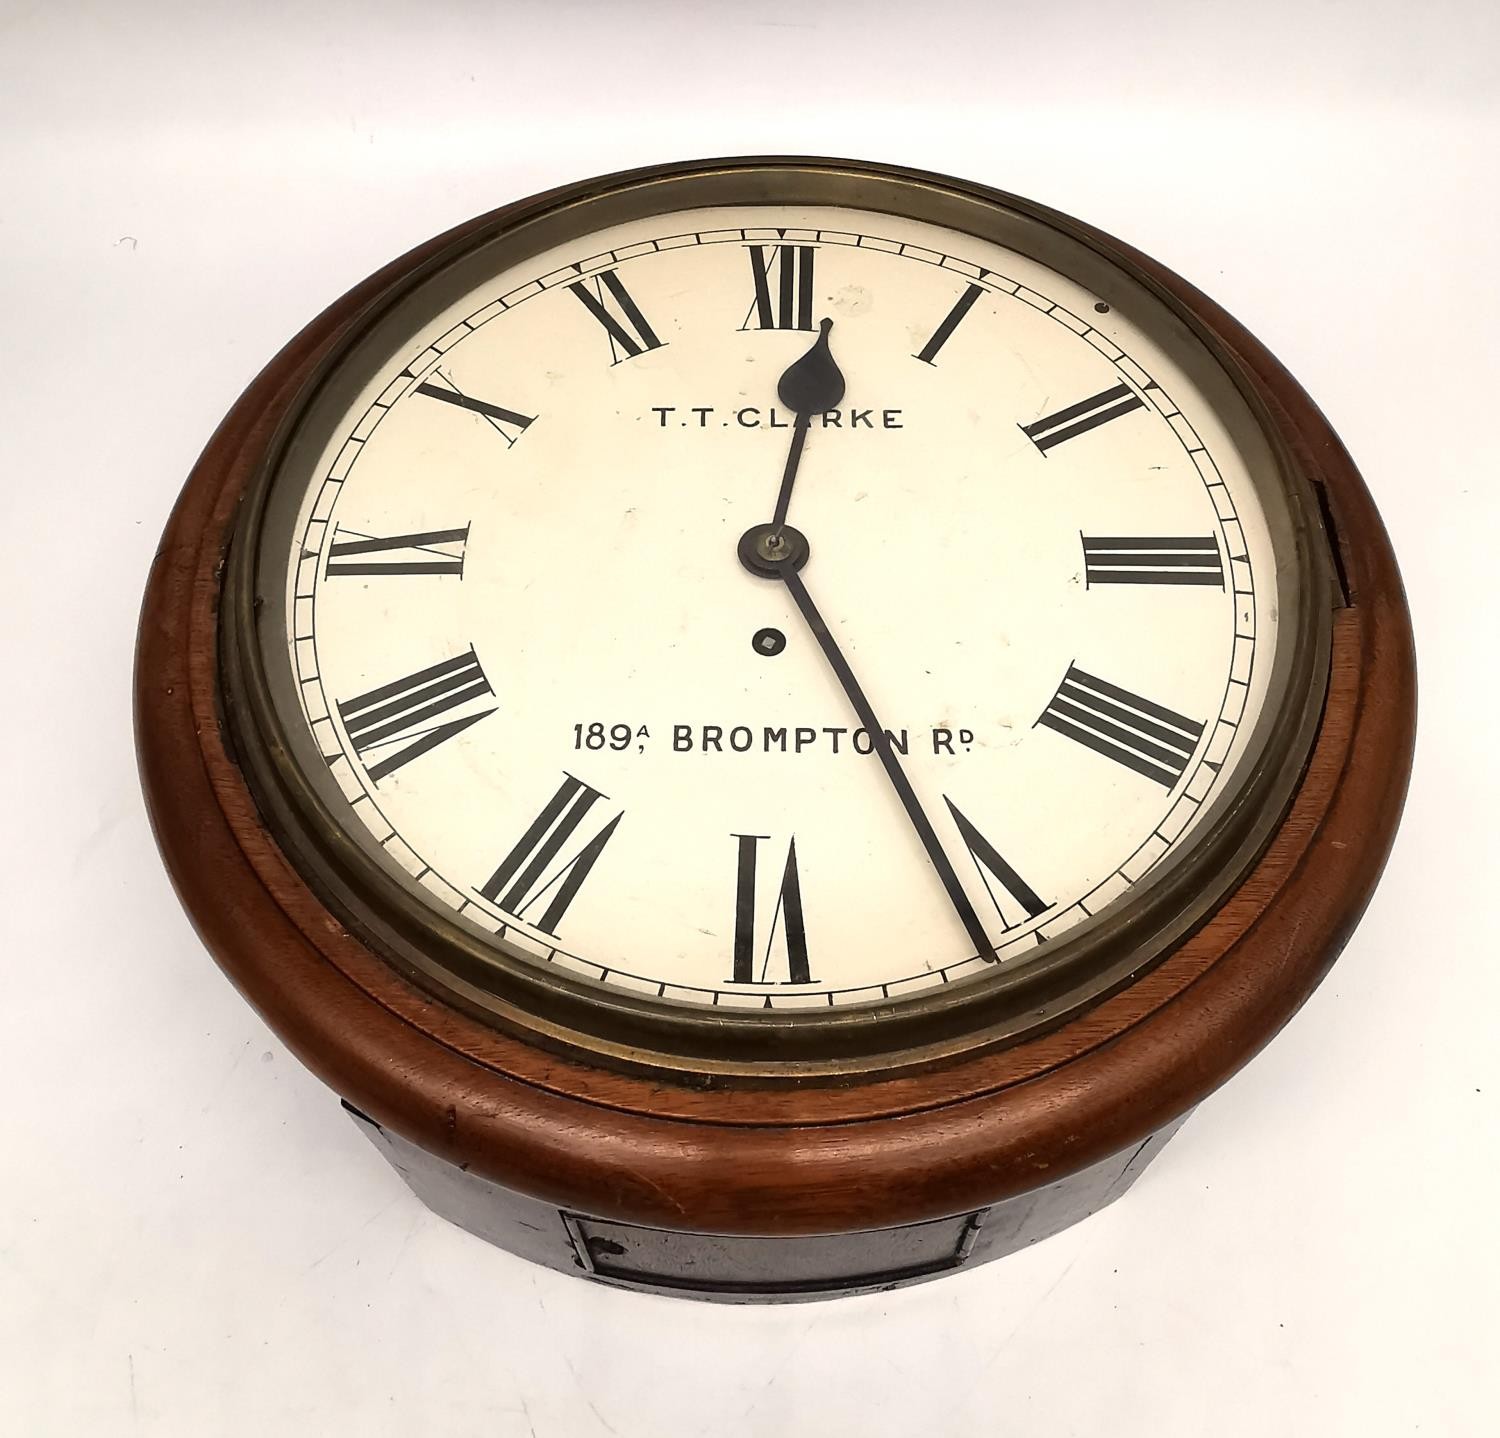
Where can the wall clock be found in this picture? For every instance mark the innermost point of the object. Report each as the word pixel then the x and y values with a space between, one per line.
pixel 771 726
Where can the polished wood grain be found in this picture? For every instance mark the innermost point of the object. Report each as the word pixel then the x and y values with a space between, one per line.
pixel 775 1161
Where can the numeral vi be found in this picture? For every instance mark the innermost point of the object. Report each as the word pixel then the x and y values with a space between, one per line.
pixel 751 965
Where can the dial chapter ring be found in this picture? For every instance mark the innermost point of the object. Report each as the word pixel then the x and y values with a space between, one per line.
pixel 616 1023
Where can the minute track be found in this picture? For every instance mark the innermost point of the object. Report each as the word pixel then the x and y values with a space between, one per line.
pixel 670 325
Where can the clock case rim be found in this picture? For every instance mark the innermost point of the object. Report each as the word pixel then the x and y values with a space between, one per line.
pixel 878 1149
pixel 573 1013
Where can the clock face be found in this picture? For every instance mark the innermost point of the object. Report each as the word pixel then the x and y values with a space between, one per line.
pixel 774 605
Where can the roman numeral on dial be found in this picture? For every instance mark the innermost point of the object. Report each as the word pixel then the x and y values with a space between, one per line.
pixel 629 333
pixel 502 420
pixel 1148 738
pixel 786 918
pixel 522 879
pixel 1153 561
pixel 990 865
pixel 1087 414
pixel 783 287
pixel 950 323
pixel 401 721
pixel 435 551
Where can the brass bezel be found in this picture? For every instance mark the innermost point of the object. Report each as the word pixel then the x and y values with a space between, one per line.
pixel 698 1044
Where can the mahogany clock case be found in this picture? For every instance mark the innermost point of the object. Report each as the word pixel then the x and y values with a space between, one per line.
pixel 688 1151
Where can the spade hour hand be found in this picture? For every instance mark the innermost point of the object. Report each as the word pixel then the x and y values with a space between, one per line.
pixel 809 386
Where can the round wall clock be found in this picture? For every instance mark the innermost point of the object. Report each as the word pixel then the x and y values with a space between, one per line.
pixel 772 725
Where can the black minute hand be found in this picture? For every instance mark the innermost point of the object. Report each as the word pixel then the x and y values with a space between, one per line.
pixel 894 772
pixel 810 386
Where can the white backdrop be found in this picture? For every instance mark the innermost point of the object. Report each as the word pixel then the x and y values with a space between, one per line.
pixel 194 1240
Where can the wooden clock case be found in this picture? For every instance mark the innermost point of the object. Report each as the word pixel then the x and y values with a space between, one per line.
pixel 739 1191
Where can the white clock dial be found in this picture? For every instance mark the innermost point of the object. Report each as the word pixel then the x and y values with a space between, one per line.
pixel 1017 655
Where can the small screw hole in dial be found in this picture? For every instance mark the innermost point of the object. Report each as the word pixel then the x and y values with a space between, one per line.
pixel 768 642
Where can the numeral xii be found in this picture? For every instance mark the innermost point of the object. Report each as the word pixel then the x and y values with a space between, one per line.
pixel 791 306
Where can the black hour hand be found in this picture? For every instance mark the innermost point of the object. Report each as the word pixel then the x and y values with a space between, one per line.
pixel 809 386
